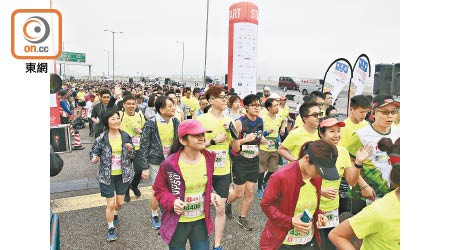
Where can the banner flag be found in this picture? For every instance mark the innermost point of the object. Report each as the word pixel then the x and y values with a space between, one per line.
pixel 361 72
pixel 337 76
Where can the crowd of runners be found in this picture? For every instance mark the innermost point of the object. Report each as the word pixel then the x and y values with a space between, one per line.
pixel 203 149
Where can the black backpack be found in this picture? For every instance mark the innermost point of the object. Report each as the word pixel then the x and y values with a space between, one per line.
pixel 56 163
pixel 78 123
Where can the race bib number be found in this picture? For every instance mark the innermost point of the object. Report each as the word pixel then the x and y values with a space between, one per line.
pixel 195 205
pixel 333 219
pixel 295 237
pixel 249 151
pixel 166 150
pixel 221 156
pixel 116 162
pixel 136 140
pixel 271 144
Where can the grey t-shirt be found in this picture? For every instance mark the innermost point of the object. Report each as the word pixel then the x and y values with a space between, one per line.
pixel 182 106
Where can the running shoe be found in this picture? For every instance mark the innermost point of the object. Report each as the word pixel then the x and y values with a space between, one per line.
pixel 156 224
pixel 218 248
pixel 136 191
pixel 260 193
pixel 228 211
pixel 116 219
pixel 243 222
pixel 112 234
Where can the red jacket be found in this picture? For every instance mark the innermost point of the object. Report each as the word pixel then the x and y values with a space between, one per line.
pixel 279 201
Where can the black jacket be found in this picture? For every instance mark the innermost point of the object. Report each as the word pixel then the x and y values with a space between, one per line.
pixel 151 146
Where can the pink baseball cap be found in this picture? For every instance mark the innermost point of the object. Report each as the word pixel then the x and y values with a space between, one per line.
pixel 191 127
pixel 329 122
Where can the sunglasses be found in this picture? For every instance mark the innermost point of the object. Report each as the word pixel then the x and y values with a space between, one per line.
pixel 387 112
pixel 220 97
pixel 316 115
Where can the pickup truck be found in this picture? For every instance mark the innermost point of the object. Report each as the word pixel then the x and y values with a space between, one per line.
pixel 303 85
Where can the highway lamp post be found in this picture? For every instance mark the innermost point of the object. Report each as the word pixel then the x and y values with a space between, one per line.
pixel 113 33
pixel 182 62
pixel 108 60
pixel 206 43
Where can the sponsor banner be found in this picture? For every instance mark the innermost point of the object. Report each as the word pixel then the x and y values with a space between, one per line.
pixel 337 76
pixel 243 48
pixel 361 73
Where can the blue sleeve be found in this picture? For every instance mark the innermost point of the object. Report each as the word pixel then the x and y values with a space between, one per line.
pixel 64 106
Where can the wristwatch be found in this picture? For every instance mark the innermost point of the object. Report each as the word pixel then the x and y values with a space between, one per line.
pixel 212 142
pixel 358 166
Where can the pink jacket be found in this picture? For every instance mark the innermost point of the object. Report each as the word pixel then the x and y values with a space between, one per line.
pixel 169 185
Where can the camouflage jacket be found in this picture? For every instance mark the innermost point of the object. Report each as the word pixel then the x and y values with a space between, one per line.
pixel 103 150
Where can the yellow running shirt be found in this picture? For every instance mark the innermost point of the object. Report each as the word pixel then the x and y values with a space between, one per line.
pixel 296 138
pixel 210 122
pixel 191 104
pixel 284 112
pixel 116 161
pixel 298 122
pixel 307 198
pixel 263 111
pixel 272 139
pixel 343 161
pixel 81 96
pixel 166 133
pixel 129 123
pixel 349 129
pixel 379 224
pixel 195 179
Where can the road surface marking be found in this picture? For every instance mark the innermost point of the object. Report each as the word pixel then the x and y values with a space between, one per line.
pixel 91 200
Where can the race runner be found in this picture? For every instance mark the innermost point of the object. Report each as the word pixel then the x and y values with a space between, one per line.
pixel 158 135
pixel 246 163
pixel 330 131
pixel 292 199
pixel 359 108
pixel 114 149
pixel 374 180
pixel 219 141
pixel 268 157
pixel 132 123
pixel 378 224
pixel 183 186
pixel 190 102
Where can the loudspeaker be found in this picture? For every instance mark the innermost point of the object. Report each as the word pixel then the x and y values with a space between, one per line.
pixel 60 138
pixel 397 79
pixel 383 83
pixel 55 83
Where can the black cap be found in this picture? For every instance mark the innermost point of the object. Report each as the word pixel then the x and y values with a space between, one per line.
pixel 382 100
pixel 326 163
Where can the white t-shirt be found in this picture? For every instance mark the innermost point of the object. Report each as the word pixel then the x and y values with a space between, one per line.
pixel 90 106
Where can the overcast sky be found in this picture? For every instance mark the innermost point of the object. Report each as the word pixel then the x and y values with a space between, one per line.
pixel 296 37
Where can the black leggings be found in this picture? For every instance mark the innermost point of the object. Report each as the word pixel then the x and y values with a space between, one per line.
pixel 326 243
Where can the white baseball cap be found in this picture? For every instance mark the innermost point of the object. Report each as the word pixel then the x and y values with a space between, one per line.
pixel 275 96
pixel 266 89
